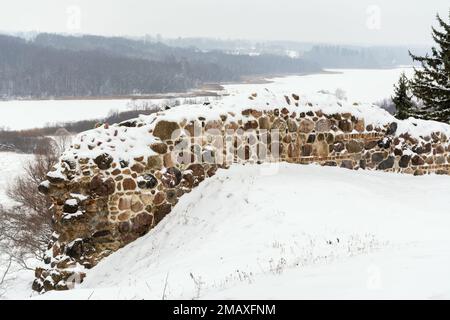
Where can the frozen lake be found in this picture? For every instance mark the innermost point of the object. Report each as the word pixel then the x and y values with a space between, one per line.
pixel 363 85
pixel 18 115
pixel 368 85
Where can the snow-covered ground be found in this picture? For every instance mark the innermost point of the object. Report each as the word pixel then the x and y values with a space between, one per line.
pixel 368 85
pixel 289 231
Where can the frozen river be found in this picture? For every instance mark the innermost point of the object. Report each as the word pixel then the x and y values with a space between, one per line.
pixel 364 85
pixel 367 85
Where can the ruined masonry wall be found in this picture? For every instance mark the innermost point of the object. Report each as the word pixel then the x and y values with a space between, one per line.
pixel 103 201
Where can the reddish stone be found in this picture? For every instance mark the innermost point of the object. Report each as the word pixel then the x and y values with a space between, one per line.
pixel 211 171
pixel 141 223
pixel 160 148
pixel 197 170
pixel 124 203
pixel 137 167
pixel 128 184
pixel 171 178
pixel 102 187
pixel 345 125
pixel 137 206
pixel 249 125
pixel 264 123
pixel 306 150
pixel 417 160
pixel 370 144
pixel 159 198
pixel 161 211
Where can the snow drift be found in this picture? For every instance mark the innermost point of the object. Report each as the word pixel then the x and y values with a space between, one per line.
pixel 289 231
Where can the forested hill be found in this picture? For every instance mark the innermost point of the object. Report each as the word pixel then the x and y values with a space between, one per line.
pixel 68 66
pixel 334 56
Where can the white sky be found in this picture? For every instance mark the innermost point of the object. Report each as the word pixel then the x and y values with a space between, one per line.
pixel 399 22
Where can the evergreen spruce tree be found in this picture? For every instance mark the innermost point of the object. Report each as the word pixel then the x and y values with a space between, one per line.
pixel 431 83
pixel 402 99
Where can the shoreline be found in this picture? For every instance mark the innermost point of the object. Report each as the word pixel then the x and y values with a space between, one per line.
pixel 152 96
pixel 204 90
pixel 373 85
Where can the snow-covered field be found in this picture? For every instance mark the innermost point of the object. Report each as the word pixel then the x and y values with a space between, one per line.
pixel 289 231
pixel 368 85
pixel 362 85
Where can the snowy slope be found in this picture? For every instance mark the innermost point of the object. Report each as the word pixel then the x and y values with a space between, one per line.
pixel 289 231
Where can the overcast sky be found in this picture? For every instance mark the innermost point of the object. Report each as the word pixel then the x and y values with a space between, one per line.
pixel 399 22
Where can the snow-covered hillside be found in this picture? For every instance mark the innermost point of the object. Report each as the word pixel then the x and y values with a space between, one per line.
pixel 289 231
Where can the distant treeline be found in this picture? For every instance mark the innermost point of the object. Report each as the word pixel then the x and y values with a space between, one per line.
pixel 89 66
pixel 334 56
pixel 325 55
pixel 52 65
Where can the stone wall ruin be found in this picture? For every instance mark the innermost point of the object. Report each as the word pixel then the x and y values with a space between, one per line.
pixel 117 182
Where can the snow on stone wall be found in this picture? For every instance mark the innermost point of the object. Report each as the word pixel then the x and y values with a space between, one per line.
pixel 117 182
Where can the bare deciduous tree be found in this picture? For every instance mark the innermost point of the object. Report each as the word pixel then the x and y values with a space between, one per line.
pixel 26 227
